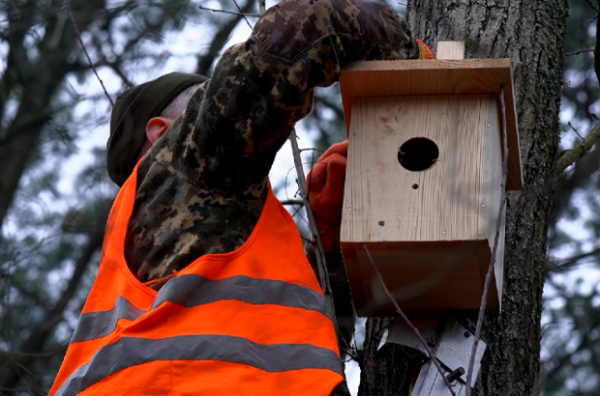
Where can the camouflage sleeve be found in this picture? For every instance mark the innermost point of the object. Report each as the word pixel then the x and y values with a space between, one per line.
pixel 234 126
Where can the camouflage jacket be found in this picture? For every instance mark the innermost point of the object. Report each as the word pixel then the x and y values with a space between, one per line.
pixel 202 186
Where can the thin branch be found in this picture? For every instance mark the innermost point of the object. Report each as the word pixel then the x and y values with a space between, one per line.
pixel 488 276
pixel 323 100
pixel 297 213
pixel 409 323
pixel 206 60
pixel 566 184
pixel 569 262
pixel 115 66
pixel 575 130
pixel 593 6
pixel 262 6
pixel 580 51
pixel 571 156
pixel 229 12
pixel 242 14
pixel 292 202
pixel 76 29
pixel 321 263
pixel 594 252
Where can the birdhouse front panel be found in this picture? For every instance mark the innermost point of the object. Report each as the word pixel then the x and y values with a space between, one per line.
pixel 422 193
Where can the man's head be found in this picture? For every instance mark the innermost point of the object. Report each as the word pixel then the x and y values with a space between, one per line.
pixel 141 115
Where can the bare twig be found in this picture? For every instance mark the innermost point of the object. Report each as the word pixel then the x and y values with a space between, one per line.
pixel 569 262
pixel 39 335
pixel 220 38
pixel 488 276
pixel 321 264
pixel 593 6
pixel 242 14
pixel 585 164
pixel 409 323
pixel 229 12
pixel 285 180
pixel 292 202
pixel 571 156
pixel 575 130
pixel 580 51
pixel 76 29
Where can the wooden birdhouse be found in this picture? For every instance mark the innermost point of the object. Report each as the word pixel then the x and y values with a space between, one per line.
pixel 423 180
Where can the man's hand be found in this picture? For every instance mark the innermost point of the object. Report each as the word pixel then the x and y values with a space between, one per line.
pixel 326 194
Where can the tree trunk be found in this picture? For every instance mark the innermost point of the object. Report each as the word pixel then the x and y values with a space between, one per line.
pixel 532 34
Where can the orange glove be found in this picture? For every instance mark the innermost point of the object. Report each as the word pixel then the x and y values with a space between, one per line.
pixel 325 184
pixel 426 52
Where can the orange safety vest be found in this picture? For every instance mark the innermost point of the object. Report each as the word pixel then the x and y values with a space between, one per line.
pixel 251 322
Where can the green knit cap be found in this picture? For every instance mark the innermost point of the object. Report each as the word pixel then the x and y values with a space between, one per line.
pixel 130 115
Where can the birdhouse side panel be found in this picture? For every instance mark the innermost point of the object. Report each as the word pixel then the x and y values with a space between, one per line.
pixel 491 180
pixel 424 276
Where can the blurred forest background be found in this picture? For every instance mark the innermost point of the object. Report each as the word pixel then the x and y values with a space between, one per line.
pixel 55 194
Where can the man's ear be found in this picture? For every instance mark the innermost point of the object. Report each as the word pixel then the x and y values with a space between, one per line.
pixel 156 127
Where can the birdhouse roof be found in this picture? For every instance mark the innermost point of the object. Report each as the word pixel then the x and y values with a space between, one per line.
pixel 438 77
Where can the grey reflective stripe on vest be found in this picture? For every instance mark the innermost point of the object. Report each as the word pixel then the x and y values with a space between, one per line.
pixel 98 324
pixel 128 352
pixel 194 290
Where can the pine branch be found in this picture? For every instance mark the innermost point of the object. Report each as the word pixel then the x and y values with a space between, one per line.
pixel 38 337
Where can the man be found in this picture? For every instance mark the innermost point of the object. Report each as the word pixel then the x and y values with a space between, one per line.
pixel 203 285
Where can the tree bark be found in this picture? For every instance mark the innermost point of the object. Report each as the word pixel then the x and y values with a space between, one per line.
pixel 532 34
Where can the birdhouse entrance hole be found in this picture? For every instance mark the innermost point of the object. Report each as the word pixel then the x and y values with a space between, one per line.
pixel 418 154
